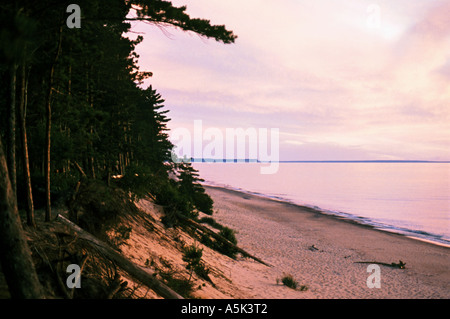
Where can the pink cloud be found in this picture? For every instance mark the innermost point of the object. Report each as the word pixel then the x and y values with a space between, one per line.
pixel 316 69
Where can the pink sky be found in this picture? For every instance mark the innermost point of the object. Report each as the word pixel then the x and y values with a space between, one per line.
pixel 341 80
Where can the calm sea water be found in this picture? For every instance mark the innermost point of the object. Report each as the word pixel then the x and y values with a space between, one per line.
pixel 408 198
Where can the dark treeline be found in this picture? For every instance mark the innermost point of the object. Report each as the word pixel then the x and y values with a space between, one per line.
pixel 73 105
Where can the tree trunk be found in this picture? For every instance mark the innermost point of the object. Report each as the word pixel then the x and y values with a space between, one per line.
pixel 25 157
pixel 48 127
pixel 11 142
pixel 48 206
pixel 121 167
pixel 90 101
pixel 15 258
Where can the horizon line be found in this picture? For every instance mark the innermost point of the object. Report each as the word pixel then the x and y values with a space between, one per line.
pixel 247 160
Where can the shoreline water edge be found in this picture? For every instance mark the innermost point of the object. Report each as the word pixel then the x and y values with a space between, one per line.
pixel 359 220
pixel 331 255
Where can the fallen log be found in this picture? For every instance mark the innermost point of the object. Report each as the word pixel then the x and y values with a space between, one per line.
pixel 219 238
pixel 143 275
pixel 400 265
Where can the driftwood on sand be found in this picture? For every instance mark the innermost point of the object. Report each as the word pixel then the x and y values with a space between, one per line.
pixel 143 275
pixel 400 264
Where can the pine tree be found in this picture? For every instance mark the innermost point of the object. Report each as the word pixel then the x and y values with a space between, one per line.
pixel 189 181
pixel 15 258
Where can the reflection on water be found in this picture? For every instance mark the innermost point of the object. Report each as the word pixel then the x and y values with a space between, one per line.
pixel 410 198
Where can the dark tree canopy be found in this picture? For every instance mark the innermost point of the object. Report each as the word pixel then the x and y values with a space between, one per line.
pixel 164 12
pixel 82 109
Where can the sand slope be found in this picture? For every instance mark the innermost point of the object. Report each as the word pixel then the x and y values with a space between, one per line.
pixel 320 252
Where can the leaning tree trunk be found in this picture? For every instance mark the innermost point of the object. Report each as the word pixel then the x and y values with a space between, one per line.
pixel 25 157
pixel 15 256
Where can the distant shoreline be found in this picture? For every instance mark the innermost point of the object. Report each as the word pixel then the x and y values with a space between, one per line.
pixel 343 218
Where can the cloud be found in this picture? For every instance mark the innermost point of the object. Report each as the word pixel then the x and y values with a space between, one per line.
pixel 417 72
pixel 316 71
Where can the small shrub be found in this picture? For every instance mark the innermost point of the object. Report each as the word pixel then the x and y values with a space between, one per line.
pixel 182 286
pixel 303 288
pixel 289 281
pixel 202 271
pixel 226 248
pixel 192 256
pixel 122 234
pixel 171 277
pixel 212 222
pixel 203 202
pixel 206 240
pixel 229 234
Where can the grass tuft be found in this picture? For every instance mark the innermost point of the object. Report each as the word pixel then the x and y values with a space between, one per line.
pixel 289 281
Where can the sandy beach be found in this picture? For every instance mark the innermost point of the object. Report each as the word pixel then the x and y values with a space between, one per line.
pixel 323 252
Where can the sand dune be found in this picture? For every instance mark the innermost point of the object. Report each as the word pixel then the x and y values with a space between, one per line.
pixel 320 251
